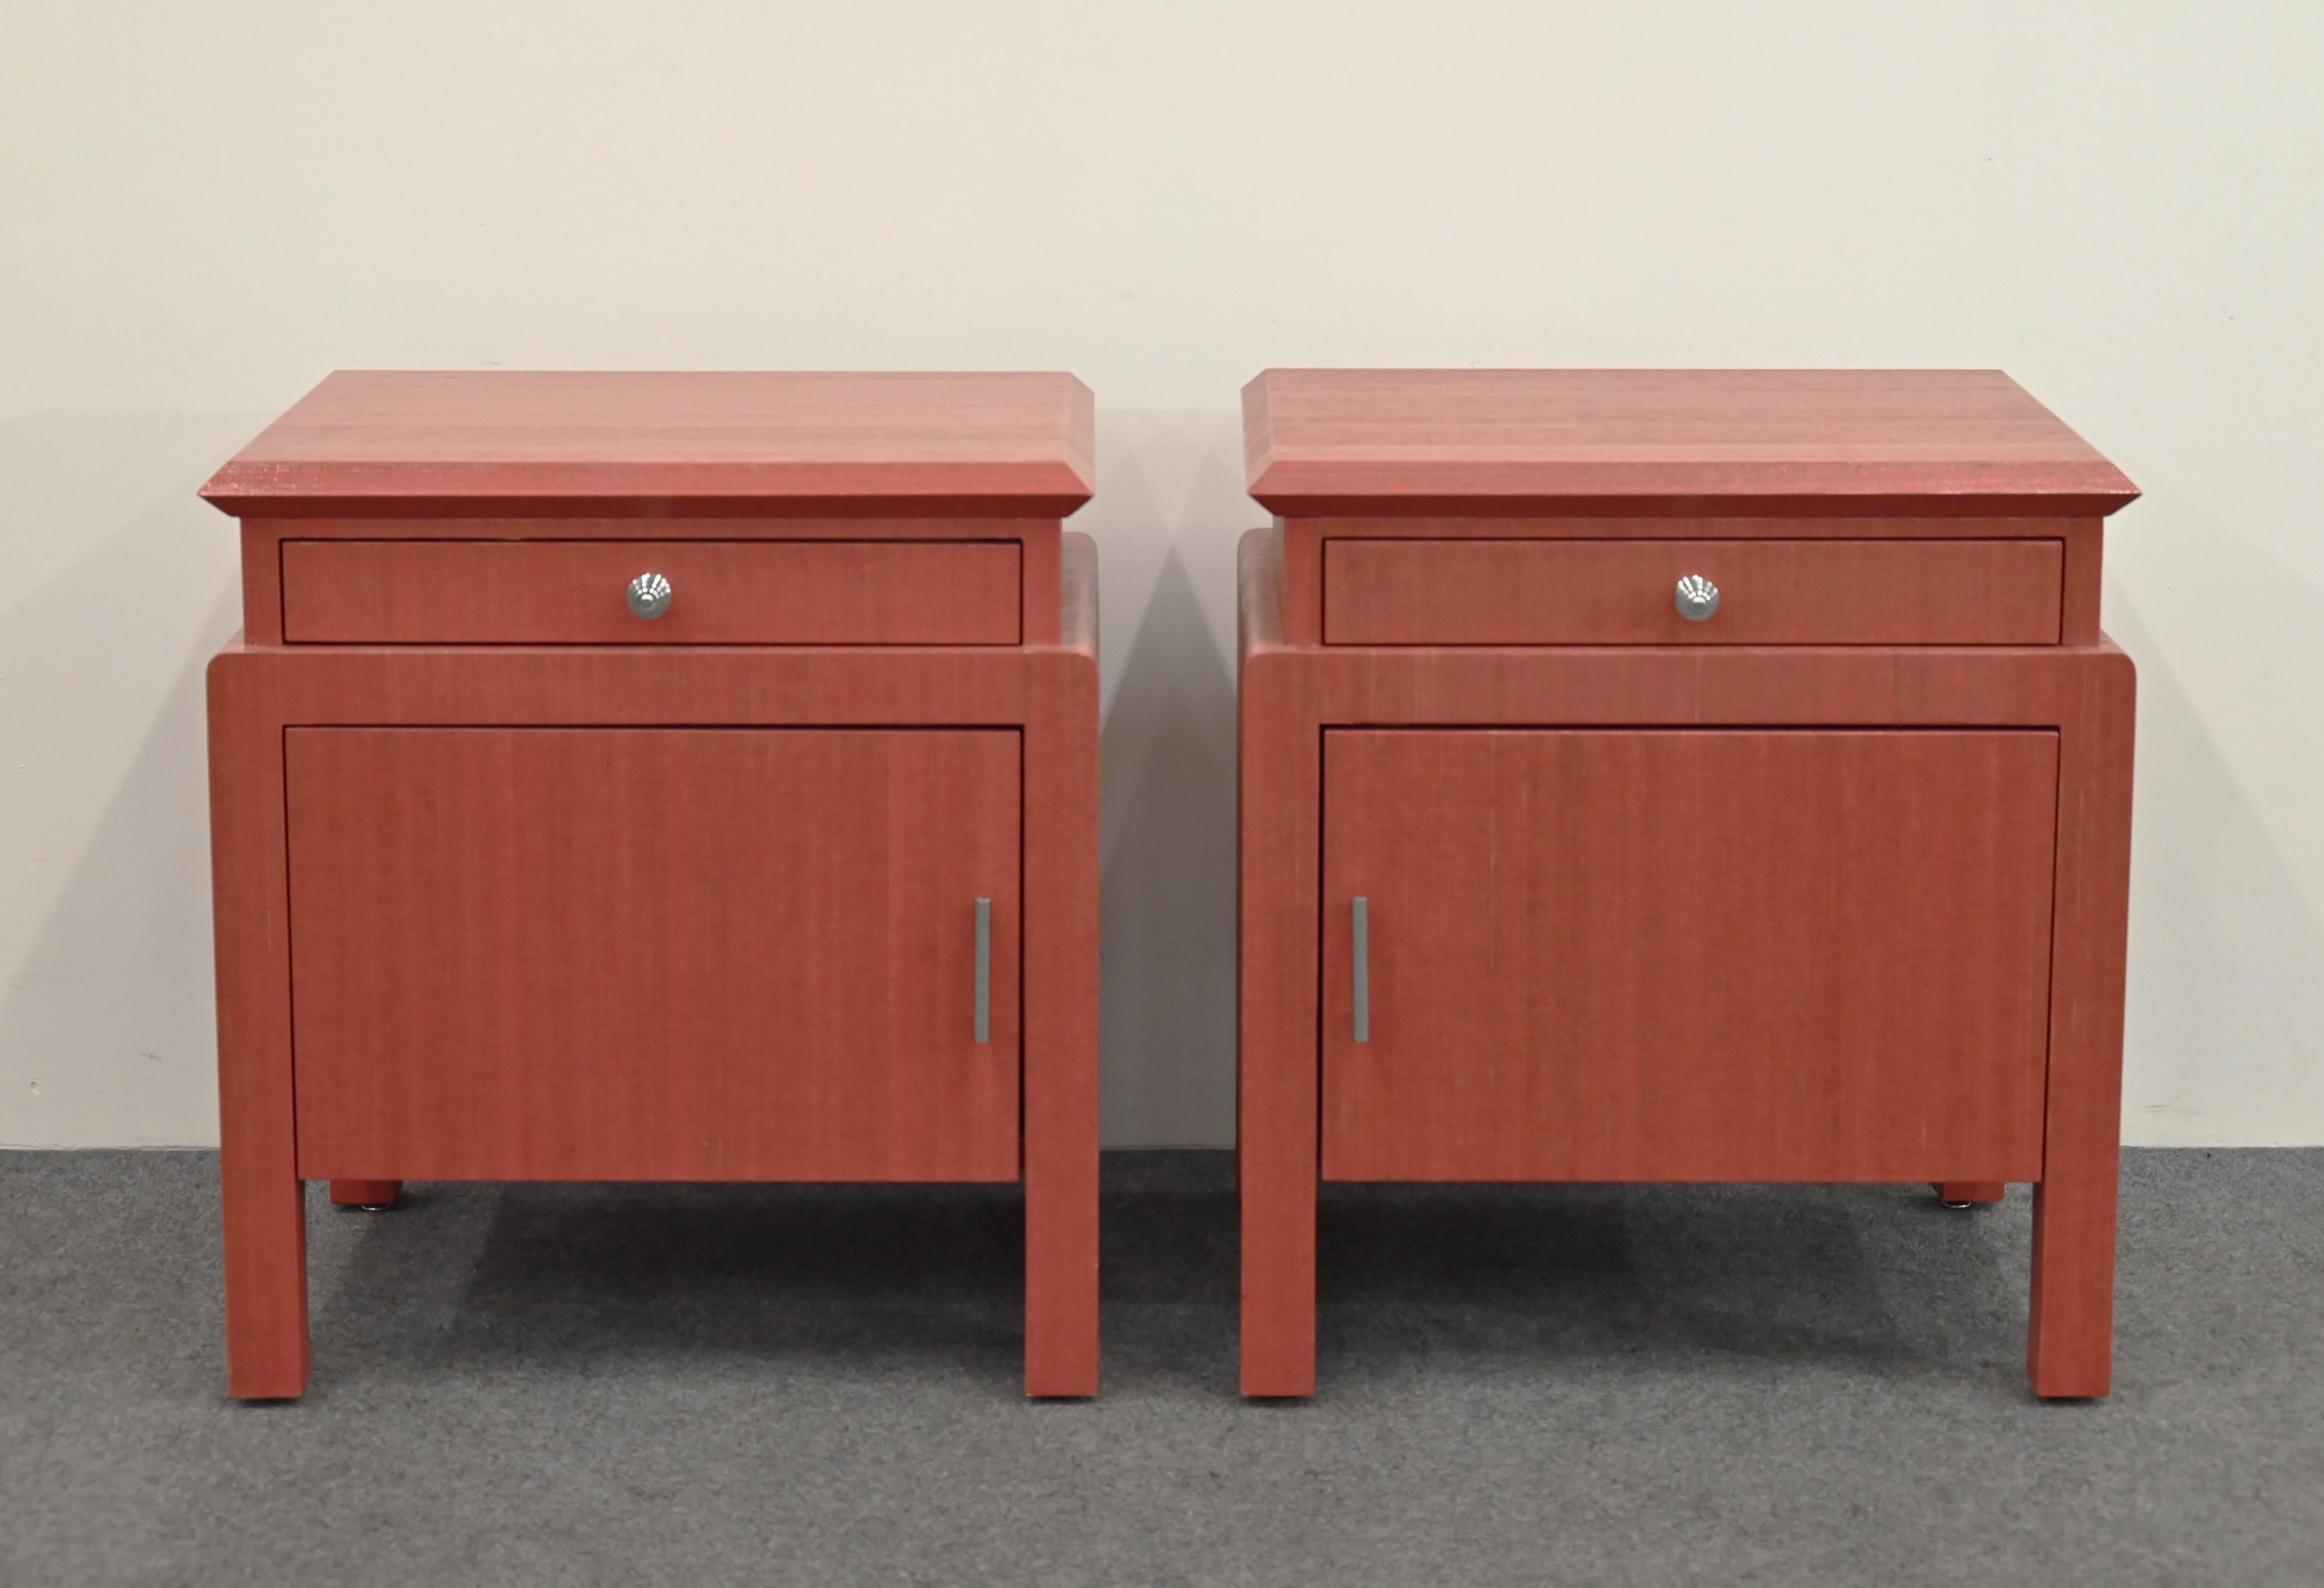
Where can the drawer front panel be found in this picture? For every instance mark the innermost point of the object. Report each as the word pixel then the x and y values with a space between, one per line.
pixel 1820 592
pixel 654 953
pixel 723 592
pixel 1686 954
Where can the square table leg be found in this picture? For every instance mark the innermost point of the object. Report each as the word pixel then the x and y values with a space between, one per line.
pixel 1061 1028
pixel 2070 1344
pixel 263 1202
pixel 1281 828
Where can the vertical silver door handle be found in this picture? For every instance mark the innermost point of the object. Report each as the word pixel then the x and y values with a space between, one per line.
pixel 984 971
pixel 1363 970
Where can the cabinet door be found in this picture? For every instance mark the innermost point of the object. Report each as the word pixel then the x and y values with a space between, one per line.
pixel 597 953
pixel 1687 954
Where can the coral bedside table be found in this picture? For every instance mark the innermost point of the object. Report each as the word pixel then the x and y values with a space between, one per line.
pixel 1679 775
pixel 658 776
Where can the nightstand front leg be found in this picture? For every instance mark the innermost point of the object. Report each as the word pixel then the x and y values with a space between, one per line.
pixel 263 1205
pixel 1061 1031
pixel 1280 817
pixel 265 1281
pixel 2070 1346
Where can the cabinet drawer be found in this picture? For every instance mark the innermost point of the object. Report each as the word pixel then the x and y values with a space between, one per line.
pixel 1542 592
pixel 1686 954
pixel 599 953
pixel 723 592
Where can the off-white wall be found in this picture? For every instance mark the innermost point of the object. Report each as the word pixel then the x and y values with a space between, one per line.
pixel 206 207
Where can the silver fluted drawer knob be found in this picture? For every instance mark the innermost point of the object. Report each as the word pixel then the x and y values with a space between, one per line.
pixel 649 595
pixel 1698 598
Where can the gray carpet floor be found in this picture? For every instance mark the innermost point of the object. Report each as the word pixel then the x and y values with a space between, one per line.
pixel 1665 1385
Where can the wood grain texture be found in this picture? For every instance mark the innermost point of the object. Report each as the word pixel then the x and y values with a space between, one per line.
pixel 1292 694
pixel 1565 591
pixel 262 583
pixel 677 525
pixel 1694 441
pixel 1970 686
pixel 263 539
pixel 262 1203
pixel 1305 538
pixel 1676 525
pixel 650 444
pixel 2085 543
pixel 932 686
pixel 1278 814
pixel 1048 694
pixel 1688 954
pixel 2069 1348
pixel 1042 585
pixel 688 954
pixel 653 460
pixel 725 592
pixel 1061 996
pixel 1298 553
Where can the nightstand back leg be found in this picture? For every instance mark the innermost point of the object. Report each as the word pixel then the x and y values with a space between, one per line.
pixel 2070 1346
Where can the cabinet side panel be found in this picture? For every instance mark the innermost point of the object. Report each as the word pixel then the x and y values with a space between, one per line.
pixel 261 582
pixel 1300 589
pixel 1043 580
pixel 2085 542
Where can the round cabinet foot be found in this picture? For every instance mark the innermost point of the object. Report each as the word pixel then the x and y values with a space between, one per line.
pixel 366 1196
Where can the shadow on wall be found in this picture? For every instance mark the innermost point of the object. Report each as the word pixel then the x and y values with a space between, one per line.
pixel 106 1033
pixel 2225 997
pixel 1170 509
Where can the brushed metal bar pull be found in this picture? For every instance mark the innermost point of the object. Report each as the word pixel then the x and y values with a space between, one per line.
pixel 984 971
pixel 1363 970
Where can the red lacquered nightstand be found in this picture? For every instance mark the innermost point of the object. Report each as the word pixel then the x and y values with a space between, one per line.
pixel 658 776
pixel 1679 775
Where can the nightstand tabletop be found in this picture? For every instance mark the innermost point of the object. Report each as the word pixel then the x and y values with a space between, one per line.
pixel 1757 442
pixel 659 444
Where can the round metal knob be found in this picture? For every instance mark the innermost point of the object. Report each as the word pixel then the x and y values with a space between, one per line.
pixel 1697 598
pixel 649 595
